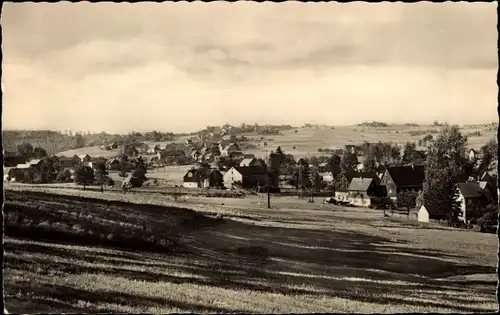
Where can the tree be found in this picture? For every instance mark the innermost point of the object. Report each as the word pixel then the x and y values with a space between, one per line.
pixel 489 153
pixel 407 199
pixel 101 174
pixel 348 163
pixel 370 163
pixel 274 167
pixel 63 176
pixel 84 176
pixel 334 165
pixel 409 154
pixel 78 141
pixel 445 166
pixel 25 150
pixel 39 153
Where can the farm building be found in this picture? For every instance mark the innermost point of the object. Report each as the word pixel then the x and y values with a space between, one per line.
pixel 361 190
pixel 248 176
pixel 469 195
pixel 400 178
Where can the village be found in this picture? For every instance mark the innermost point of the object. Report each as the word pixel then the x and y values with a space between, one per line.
pixel 371 175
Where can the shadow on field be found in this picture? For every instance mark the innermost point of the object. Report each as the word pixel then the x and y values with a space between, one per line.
pixel 88 300
pixel 221 254
pixel 236 255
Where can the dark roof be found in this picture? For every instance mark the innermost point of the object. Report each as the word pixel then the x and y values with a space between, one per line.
pixel 407 176
pixel 10 154
pixel 360 184
pixel 469 190
pixel 251 170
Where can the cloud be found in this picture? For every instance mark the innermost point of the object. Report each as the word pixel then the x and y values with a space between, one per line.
pixel 245 61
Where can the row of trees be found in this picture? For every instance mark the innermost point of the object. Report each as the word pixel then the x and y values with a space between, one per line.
pixel 447 164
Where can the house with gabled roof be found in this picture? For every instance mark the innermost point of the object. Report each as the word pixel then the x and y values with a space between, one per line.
pixel 361 190
pixel 469 195
pixel 401 178
pixel 11 159
pixel 247 176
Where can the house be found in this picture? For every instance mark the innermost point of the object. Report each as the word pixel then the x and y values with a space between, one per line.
pixel 192 179
pixel 347 178
pixel 469 195
pixel 423 214
pixel 488 186
pixel 327 177
pixel 113 164
pixel 68 162
pixel 85 159
pixel 230 149
pixel 114 145
pixel 203 177
pixel 247 162
pixel 361 190
pixel 400 178
pixel 247 176
pixel 11 159
pixel 253 162
pixel 472 154
pixel 341 194
pixel 322 167
pixel 287 181
pixel 236 155
pixel 195 154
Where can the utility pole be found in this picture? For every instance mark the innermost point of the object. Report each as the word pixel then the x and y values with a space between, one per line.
pixel 268 193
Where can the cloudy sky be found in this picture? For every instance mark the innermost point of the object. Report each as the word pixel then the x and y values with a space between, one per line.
pixel 183 66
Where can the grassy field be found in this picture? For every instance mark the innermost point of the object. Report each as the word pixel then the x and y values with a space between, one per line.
pixel 296 257
pixel 307 140
pixel 92 151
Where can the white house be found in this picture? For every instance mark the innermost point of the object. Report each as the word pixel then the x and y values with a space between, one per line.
pixel 472 154
pixel 423 214
pixel 232 176
pixel 327 177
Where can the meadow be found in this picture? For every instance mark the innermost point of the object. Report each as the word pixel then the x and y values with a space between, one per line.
pixel 162 255
pixel 307 140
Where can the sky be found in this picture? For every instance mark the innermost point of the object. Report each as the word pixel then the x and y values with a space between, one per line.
pixel 179 67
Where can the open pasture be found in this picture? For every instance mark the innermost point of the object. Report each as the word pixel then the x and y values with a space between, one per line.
pixel 307 140
pixel 297 258
pixel 95 151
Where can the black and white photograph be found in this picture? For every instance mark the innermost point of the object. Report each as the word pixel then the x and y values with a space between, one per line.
pixel 250 157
